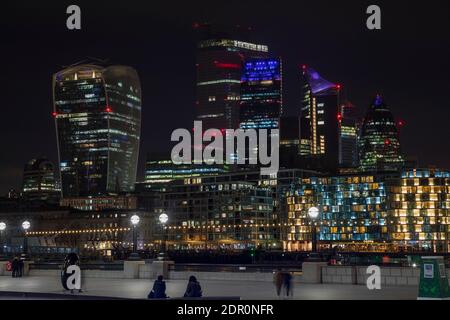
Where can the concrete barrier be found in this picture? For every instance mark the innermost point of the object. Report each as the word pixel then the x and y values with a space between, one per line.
pixel 154 269
pixel 312 272
pixel 224 276
pixel 390 276
pixel 106 274
pixel 131 268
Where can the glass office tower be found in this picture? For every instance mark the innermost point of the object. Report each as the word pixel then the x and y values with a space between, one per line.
pixel 261 97
pixel 379 145
pixel 348 135
pixel 97 112
pixel 320 119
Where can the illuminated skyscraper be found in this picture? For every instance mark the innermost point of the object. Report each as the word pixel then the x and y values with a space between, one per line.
pixel 261 97
pixel 379 145
pixel 219 70
pixel 97 112
pixel 320 119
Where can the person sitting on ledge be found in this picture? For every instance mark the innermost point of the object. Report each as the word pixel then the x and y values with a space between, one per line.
pixel 159 289
pixel 193 290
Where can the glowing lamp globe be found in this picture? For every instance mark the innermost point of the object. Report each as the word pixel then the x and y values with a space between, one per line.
pixel 135 219
pixel 163 218
pixel 26 225
pixel 2 226
pixel 313 212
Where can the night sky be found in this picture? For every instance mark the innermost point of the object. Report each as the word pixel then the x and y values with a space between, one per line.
pixel 407 62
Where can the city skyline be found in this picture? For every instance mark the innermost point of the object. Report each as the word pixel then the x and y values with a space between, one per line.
pixel 352 63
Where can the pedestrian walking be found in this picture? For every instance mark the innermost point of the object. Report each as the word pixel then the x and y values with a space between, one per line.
pixel 159 289
pixel 278 281
pixel 15 267
pixel 287 283
pixel 193 290
pixel 21 266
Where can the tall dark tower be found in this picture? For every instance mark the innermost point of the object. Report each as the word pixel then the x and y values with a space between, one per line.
pixel 320 120
pixel 348 135
pixel 219 70
pixel 97 110
pixel 379 145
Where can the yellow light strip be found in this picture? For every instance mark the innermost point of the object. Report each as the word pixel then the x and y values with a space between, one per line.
pixel 78 231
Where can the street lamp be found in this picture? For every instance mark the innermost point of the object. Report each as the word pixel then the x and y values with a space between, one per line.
pixel 25 226
pixel 134 221
pixel 313 213
pixel 2 228
pixel 163 218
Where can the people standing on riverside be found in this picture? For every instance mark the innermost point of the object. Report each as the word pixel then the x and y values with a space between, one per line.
pixel 159 289
pixel 278 281
pixel 193 290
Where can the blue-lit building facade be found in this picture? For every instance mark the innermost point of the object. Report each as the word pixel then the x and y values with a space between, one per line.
pixel 261 102
pixel 352 209
pixel 97 111
pixel 408 211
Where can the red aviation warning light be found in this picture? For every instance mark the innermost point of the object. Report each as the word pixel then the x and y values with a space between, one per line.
pixel 339 117
pixel 54 114
pixel 387 142
pixel 226 65
pixel 108 109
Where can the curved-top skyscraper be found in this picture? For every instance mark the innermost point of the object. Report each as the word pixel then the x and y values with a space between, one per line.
pixel 379 145
pixel 97 112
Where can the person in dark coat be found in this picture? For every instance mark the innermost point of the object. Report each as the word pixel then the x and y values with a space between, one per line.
pixel 287 282
pixel 21 266
pixel 193 290
pixel 159 289
pixel 278 281
pixel 15 267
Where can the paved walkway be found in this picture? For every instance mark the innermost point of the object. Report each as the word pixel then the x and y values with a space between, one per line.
pixel 139 288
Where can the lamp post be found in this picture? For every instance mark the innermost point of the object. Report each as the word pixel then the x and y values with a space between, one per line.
pixel 2 228
pixel 313 213
pixel 25 226
pixel 163 218
pixel 134 221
